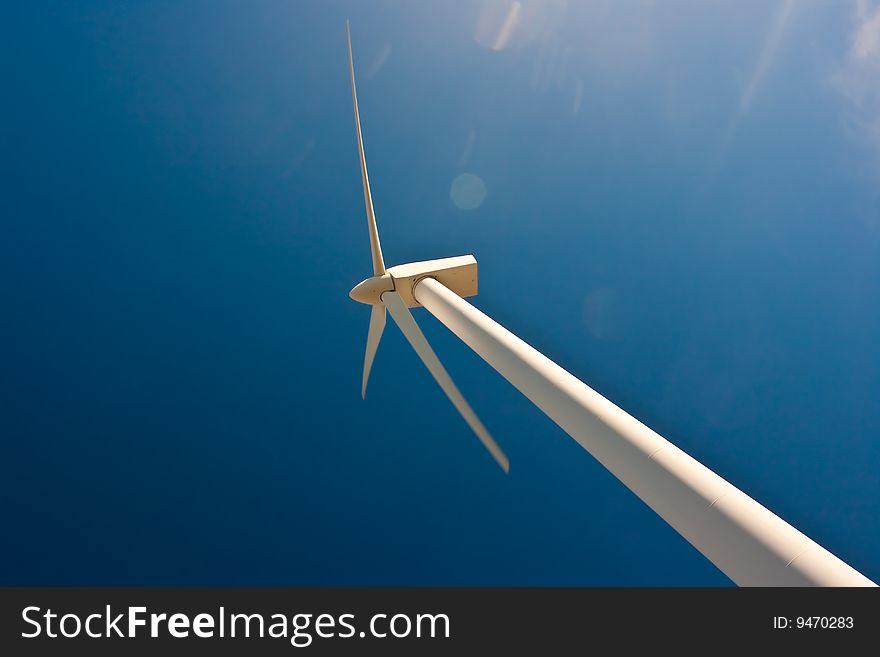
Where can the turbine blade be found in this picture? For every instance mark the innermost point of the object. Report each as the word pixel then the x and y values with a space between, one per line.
pixel 404 319
pixel 377 325
pixel 375 247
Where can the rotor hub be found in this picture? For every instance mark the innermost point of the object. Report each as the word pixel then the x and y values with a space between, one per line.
pixel 370 290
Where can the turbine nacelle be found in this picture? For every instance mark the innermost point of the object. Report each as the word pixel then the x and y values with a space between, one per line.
pixel 458 273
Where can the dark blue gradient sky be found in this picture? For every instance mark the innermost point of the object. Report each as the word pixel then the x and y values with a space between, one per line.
pixel 681 207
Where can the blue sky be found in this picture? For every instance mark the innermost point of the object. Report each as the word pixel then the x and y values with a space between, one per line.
pixel 678 202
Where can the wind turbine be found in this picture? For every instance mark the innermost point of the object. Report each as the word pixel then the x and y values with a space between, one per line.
pixel 745 540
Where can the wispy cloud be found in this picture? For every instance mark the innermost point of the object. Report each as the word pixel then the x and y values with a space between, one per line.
pixel 511 24
pixel 867 37
pixel 379 61
pixel 507 27
pixel 578 96
pixel 858 81
pixel 768 53
pixel 859 76
pixel 765 60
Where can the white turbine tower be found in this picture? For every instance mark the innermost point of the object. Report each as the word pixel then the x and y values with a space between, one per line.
pixel 746 541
